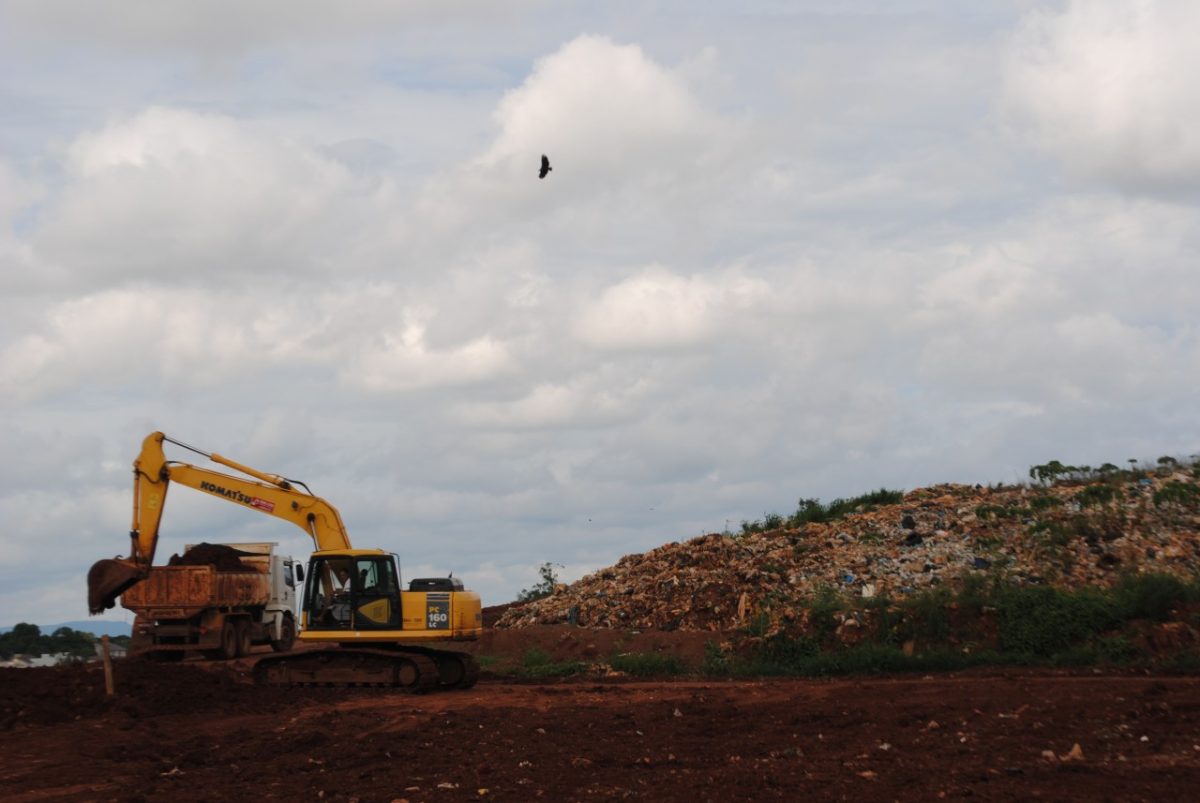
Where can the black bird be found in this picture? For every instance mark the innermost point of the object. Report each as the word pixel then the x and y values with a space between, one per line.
pixel 546 168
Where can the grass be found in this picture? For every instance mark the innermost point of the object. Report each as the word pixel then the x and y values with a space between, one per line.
pixel 648 664
pixel 994 624
pixel 537 663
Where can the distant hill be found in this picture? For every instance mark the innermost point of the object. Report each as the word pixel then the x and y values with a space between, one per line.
pixel 97 627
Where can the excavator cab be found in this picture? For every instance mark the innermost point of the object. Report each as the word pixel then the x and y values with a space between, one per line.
pixel 359 592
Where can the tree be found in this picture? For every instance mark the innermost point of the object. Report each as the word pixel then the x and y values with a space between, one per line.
pixel 23 639
pixel 543 589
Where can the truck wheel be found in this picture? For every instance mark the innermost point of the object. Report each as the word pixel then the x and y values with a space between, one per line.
pixel 229 640
pixel 242 630
pixel 287 635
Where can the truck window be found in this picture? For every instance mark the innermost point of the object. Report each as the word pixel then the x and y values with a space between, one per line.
pixel 288 578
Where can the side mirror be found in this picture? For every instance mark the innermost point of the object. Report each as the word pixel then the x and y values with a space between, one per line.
pixel 299 572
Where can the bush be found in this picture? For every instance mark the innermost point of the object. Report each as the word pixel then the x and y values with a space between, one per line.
pixel 1041 621
pixel 1177 493
pixel 812 511
pixel 647 664
pixel 716 662
pixel 537 663
pixel 1153 596
pixel 1094 495
pixel 821 610
pixel 928 619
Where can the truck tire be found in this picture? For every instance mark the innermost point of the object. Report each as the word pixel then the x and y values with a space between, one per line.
pixel 229 640
pixel 287 635
pixel 242 631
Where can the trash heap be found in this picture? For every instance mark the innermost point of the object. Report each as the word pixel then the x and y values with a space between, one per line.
pixel 1068 535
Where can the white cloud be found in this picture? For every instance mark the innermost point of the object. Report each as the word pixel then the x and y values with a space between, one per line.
pixel 656 309
pixel 401 359
pixel 1109 88
pixel 172 194
pixel 587 400
pixel 224 28
pixel 600 106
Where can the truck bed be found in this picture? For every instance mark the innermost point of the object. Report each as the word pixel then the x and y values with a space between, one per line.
pixel 179 592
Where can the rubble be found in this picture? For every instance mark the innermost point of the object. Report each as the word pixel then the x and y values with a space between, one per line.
pixel 1067 535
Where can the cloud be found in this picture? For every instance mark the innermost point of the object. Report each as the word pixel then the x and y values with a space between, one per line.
pixel 172 194
pixel 224 28
pixel 600 106
pixel 400 359
pixel 144 340
pixel 656 309
pixel 1110 90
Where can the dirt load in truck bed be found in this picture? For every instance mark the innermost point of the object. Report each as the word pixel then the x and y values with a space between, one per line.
pixel 224 558
pixel 199 731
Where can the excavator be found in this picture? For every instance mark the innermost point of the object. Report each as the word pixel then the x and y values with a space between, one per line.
pixel 370 631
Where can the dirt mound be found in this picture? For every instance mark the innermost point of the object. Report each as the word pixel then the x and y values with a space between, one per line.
pixel 222 556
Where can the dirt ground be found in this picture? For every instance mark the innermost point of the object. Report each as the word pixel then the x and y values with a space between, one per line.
pixel 199 730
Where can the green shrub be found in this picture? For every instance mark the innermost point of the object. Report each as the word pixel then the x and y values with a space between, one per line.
pixel 822 608
pixel 647 664
pixel 537 663
pixel 787 650
pixel 1153 596
pixel 1117 650
pixel 1039 503
pixel 1041 621
pixel 716 662
pixel 1094 495
pixel 1177 493
pixel 887 620
pixel 928 619
pixel 812 511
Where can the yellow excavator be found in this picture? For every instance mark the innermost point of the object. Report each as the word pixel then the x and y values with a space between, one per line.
pixel 352 597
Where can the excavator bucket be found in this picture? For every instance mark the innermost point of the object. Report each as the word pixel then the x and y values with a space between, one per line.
pixel 108 579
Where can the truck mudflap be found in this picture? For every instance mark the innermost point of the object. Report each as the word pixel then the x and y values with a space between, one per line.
pixel 412 669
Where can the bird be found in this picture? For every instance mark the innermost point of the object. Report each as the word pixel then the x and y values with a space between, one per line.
pixel 546 168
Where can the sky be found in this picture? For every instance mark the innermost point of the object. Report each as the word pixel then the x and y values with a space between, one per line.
pixel 787 250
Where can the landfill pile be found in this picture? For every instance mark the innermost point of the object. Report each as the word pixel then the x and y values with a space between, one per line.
pixel 1068 534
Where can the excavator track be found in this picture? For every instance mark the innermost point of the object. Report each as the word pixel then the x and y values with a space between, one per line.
pixel 456 670
pixel 410 672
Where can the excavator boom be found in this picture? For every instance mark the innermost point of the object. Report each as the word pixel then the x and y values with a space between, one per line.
pixel 153 474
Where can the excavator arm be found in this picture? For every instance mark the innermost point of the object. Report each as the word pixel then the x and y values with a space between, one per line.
pixel 153 474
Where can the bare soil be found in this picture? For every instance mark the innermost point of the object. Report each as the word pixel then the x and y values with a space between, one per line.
pixel 199 730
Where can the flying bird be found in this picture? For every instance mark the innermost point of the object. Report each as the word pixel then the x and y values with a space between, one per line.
pixel 546 168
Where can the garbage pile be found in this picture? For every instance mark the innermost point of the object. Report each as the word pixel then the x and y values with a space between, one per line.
pixel 1068 535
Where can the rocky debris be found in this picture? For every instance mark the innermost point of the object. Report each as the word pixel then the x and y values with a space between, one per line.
pixel 1067 535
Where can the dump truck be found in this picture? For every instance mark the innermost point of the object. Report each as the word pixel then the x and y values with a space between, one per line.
pixel 219 599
